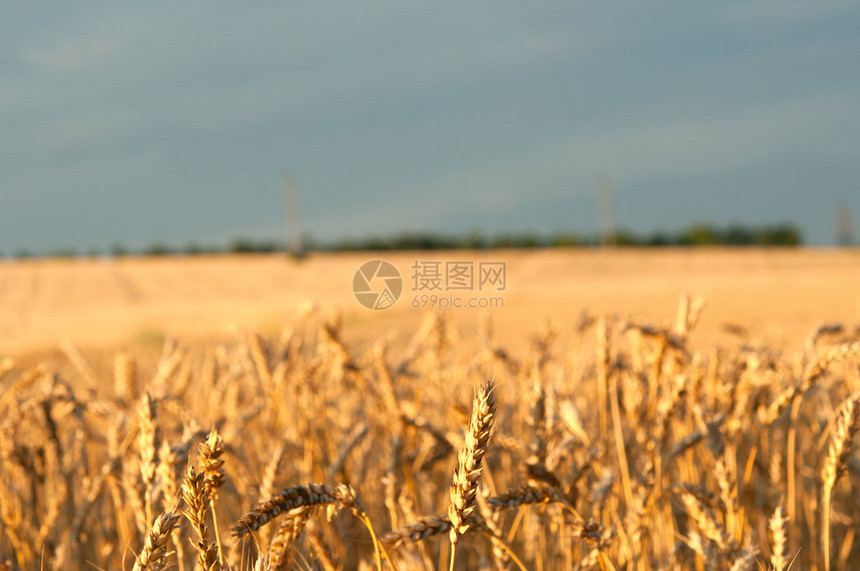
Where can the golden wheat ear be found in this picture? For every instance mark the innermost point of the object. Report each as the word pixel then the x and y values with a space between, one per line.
pixel 195 498
pixel 778 529
pixel 836 463
pixel 155 548
pixel 462 505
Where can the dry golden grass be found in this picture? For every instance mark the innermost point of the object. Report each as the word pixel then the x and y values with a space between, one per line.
pixel 604 442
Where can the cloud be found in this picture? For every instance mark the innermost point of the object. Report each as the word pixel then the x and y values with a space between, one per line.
pixel 713 144
pixel 84 132
pixel 633 157
pixel 71 54
pixel 774 14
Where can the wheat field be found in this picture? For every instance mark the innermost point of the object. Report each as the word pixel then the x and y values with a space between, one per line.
pixel 616 436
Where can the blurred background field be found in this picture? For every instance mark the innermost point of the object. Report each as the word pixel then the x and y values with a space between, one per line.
pixel 779 294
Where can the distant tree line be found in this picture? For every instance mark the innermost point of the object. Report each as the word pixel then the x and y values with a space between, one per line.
pixel 708 235
pixel 696 235
pixel 784 234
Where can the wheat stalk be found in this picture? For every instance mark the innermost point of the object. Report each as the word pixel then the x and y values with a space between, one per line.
pixel 287 533
pixel 155 547
pixel 465 485
pixel 847 423
pixel 418 530
pixel 125 377
pixel 194 495
pixel 283 502
pixel 147 446
pixel 468 471
pixel 777 524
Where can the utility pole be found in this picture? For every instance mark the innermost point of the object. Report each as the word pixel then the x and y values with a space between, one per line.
pixel 605 214
pixel 293 217
pixel 844 227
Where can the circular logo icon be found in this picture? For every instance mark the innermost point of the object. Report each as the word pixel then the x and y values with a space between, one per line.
pixel 377 284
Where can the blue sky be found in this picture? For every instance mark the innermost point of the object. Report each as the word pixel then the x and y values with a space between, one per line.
pixel 162 122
